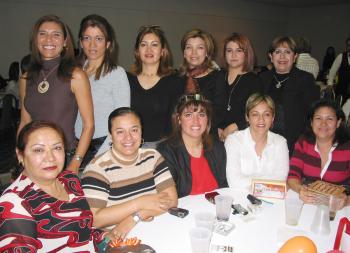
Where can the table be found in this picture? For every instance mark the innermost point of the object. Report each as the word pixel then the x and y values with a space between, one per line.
pixel 265 232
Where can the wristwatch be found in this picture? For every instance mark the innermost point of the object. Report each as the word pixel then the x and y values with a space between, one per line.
pixel 78 158
pixel 136 217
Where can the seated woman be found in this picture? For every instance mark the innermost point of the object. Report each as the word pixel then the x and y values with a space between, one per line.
pixel 322 153
pixel 256 152
pixel 197 161
pixel 44 209
pixel 127 184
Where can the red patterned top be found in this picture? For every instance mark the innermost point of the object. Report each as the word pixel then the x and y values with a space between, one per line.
pixel 33 221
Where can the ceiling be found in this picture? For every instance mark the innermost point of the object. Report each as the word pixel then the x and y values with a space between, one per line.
pixel 301 3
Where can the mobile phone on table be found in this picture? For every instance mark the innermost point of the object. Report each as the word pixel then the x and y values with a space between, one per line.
pixel 210 196
pixel 238 209
pixel 254 200
pixel 179 212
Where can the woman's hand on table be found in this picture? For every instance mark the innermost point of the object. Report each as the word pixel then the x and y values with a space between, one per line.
pixel 338 202
pixel 160 202
pixel 122 229
pixel 307 196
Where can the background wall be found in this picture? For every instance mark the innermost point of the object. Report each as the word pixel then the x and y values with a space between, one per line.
pixel 324 26
pixel 261 23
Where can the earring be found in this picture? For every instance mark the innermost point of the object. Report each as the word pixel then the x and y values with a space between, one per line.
pixel 110 143
pixel 142 141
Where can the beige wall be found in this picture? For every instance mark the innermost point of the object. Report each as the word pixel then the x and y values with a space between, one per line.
pixel 175 17
pixel 219 17
pixel 324 26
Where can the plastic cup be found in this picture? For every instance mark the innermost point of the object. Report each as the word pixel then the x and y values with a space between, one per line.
pixel 205 220
pixel 223 207
pixel 320 223
pixel 293 208
pixel 335 203
pixel 200 239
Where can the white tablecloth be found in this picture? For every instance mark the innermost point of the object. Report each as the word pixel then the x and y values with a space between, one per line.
pixel 263 233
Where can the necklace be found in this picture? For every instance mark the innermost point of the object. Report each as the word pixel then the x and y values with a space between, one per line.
pixel 233 88
pixel 148 75
pixel 279 83
pixel 44 85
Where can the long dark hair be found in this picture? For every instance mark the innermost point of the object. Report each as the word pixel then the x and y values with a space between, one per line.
pixel 67 64
pixel 341 134
pixel 166 60
pixel 110 60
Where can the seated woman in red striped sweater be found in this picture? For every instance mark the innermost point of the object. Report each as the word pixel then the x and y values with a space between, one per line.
pixel 322 153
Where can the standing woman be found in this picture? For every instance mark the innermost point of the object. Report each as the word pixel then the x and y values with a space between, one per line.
pixel 240 81
pixel 292 90
pixel 54 89
pixel 109 83
pixel 153 86
pixel 200 72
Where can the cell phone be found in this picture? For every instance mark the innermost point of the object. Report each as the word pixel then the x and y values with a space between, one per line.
pixel 210 196
pixel 254 200
pixel 238 209
pixel 179 212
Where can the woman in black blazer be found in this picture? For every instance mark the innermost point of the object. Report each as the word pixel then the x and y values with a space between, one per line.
pixel 292 90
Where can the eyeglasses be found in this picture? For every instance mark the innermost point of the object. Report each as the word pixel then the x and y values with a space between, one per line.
pixel 282 51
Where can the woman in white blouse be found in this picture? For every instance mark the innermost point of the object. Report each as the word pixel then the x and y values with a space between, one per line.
pixel 255 152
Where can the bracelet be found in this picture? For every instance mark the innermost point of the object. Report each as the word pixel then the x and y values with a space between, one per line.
pixel 136 217
pixel 78 158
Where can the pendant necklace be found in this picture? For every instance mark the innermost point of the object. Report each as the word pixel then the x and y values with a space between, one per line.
pixel 279 83
pixel 44 85
pixel 233 88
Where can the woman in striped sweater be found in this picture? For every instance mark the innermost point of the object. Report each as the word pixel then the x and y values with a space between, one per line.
pixel 322 153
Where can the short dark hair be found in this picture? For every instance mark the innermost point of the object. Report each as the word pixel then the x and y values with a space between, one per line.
pixel 341 134
pixel 347 39
pixel 33 126
pixel 14 71
pixel 303 45
pixel 121 111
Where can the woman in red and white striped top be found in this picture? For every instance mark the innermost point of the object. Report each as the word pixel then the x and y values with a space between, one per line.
pixel 322 153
